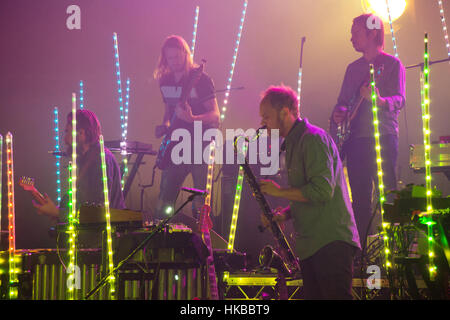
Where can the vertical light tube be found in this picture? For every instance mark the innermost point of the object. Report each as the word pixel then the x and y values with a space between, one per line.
pixel 209 178
pixel 81 94
pixel 394 41
pixel 300 72
pixel 123 122
pixel 73 219
pixel 233 64
pixel 236 205
pixel 194 33
pixel 427 156
pixel 108 221
pixel 58 157
pixel 385 225
pixel 13 279
pixel 123 144
pixel 444 26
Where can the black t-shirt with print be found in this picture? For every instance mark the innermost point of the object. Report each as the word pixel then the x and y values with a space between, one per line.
pixel 171 92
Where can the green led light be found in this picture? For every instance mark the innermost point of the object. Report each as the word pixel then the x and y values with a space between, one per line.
pixel 112 284
pixel 425 96
pixel 72 230
pixel 236 205
pixel 379 164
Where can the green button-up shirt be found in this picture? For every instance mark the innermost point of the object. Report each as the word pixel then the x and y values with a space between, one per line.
pixel 314 167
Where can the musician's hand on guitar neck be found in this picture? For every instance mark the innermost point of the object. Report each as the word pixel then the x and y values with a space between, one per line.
pixel 47 207
pixel 184 113
pixel 339 114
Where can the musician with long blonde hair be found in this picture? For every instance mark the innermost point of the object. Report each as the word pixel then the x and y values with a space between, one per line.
pixel 175 72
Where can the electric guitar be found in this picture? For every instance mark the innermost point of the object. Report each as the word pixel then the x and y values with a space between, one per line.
pixel 205 224
pixel 163 159
pixel 27 184
pixel 341 132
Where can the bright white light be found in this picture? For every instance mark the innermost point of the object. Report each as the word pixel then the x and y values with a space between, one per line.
pixel 379 8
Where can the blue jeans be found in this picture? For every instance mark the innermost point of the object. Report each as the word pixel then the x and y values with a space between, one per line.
pixel 362 172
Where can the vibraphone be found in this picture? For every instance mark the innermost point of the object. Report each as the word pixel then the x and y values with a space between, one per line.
pixel 171 266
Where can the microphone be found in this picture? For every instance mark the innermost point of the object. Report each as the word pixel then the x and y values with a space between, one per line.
pixel 197 192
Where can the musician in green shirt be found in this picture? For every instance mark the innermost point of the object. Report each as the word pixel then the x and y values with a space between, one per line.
pixel 326 234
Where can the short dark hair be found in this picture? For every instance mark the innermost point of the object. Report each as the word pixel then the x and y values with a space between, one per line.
pixel 280 97
pixel 88 121
pixel 362 20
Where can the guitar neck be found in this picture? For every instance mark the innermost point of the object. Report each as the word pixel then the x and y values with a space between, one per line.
pixel 211 268
pixel 354 110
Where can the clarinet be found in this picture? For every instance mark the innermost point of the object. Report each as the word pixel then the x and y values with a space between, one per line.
pixel 284 248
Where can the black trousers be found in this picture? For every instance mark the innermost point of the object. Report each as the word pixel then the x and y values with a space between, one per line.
pixel 328 274
pixel 362 173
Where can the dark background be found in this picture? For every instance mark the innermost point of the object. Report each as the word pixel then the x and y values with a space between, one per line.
pixel 42 62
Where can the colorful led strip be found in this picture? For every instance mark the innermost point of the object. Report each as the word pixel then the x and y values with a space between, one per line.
pixel 392 29
pixel 194 33
pixel 385 225
pixel 233 64
pixel 58 157
pixel 81 94
pixel 112 280
pixel 13 278
pixel 119 84
pixel 123 143
pixel 123 113
pixel 209 178
pixel 300 72
pixel 427 156
pixel 73 219
pixel 236 205
pixel 444 26
pixel 127 103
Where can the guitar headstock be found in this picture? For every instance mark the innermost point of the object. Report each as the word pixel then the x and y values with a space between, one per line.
pixel 27 183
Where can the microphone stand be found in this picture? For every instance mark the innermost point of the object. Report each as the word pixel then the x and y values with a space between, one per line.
pixel 160 226
pixel 430 63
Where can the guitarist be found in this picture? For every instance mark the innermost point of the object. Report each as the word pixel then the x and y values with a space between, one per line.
pixel 173 72
pixel 89 176
pixel 367 37
pixel 326 235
